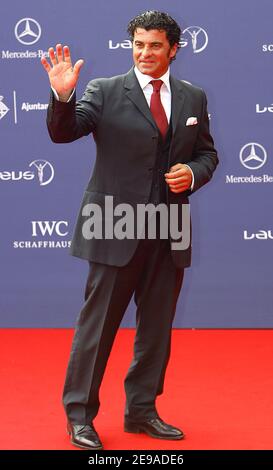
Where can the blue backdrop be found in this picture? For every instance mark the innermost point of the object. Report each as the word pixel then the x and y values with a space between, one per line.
pixel 41 183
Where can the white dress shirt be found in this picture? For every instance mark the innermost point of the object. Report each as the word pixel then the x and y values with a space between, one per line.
pixel 165 90
pixel 147 88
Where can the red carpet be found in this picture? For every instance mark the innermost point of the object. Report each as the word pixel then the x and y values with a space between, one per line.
pixel 219 389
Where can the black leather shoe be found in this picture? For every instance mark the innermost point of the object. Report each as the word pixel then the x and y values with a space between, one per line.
pixel 154 427
pixel 84 436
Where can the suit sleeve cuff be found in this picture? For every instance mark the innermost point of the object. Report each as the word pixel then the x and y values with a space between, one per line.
pixel 192 183
pixel 57 96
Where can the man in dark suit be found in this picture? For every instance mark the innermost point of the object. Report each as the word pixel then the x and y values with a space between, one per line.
pixel 153 146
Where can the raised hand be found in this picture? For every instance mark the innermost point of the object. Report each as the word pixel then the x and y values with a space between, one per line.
pixel 62 75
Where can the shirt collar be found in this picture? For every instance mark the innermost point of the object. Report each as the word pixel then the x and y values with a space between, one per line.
pixel 145 79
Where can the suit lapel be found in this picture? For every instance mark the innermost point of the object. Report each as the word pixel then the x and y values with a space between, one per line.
pixel 136 95
pixel 178 99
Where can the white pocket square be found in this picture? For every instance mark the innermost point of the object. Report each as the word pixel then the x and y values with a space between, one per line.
pixel 191 121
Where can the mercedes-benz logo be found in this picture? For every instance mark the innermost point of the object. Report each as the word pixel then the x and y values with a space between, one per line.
pixel 253 156
pixel 197 36
pixel 27 31
pixel 41 165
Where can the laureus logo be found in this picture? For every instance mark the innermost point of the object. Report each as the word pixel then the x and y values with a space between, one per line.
pixel 27 31
pixel 45 171
pixel 196 37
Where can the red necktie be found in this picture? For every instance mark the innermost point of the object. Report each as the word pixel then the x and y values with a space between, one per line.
pixel 157 109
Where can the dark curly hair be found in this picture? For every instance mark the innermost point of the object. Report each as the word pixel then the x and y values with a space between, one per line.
pixel 154 19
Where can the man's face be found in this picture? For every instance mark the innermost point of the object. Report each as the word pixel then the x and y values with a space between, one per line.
pixel 152 52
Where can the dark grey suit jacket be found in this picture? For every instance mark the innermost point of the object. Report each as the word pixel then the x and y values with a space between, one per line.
pixel 116 112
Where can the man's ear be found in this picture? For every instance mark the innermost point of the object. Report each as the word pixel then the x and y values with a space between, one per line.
pixel 173 50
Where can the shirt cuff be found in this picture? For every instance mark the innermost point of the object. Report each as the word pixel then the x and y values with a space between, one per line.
pixel 57 96
pixel 192 184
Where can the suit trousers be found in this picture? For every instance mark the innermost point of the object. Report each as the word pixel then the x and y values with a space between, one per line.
pixel 155 282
